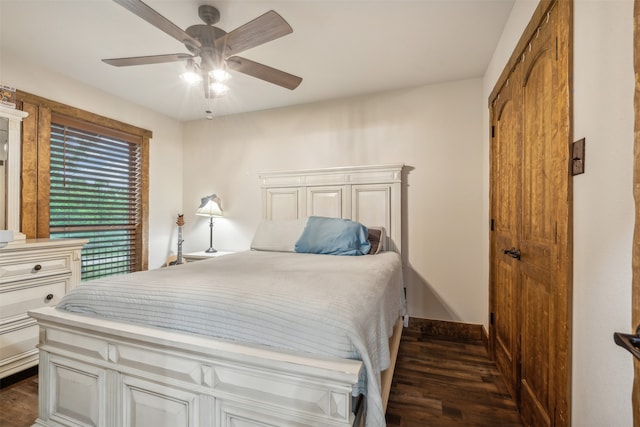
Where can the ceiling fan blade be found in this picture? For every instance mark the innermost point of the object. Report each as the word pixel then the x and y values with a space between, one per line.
pixel 264 72
pixel 154 18
pixel 144 60
pixel 264 28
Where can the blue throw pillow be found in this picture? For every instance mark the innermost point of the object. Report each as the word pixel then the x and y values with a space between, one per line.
pixel 333 236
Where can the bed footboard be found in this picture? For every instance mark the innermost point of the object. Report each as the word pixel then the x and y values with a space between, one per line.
pixel 95 372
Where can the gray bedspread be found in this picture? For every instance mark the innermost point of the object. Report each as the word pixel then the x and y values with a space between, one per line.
pixel 342 306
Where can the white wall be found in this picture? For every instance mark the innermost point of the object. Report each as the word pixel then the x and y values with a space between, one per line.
pixel 603 202
pixel 165 150
pixel 434 130
pixel 603 211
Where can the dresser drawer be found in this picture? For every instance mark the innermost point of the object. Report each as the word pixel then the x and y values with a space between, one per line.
pixel 15 303
pixel 16 345
pixel 25 269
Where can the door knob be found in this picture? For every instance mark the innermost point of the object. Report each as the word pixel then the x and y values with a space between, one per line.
pixel 513 253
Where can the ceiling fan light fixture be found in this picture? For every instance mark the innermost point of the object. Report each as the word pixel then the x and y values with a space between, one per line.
pixel 191 75
pixel 191 78
pixel 220 75
pixel 219 88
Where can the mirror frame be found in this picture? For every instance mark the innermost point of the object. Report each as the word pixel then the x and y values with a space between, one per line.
pixel 14 166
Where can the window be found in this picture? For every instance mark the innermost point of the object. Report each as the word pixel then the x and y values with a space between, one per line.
pixel 85 176
pixel 95 194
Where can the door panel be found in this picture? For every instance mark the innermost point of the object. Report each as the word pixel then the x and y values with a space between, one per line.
pixel 505 330
pixel 505 211
pixel 539 124
pixel 539 190
pixel 536 348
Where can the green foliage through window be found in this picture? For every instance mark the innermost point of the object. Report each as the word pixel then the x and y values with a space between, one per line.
pixel 95 194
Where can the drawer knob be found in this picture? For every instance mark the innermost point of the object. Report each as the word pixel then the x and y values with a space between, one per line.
pixel 49 297
pixel 37 267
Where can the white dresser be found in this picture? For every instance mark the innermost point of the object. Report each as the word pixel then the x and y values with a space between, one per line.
pixel 33 273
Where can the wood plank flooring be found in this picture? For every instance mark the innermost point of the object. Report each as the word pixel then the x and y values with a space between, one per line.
pixel 19 399
pixel 445 382
pixel 437 383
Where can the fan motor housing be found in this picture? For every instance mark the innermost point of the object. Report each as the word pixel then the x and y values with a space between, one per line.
pixel 209 14
pixel 205 34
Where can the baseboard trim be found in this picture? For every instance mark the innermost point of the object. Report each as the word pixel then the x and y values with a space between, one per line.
pixel 18 376
pixel 448 329
pixel 485 337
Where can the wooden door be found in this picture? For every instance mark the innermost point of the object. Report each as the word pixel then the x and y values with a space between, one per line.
pixel 543 170
pixel 530 265
pixel 505 206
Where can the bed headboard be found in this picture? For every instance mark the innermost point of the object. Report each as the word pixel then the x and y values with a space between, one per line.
pixel 370 195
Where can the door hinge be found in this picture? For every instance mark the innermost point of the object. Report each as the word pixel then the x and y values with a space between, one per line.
pixel 492 318
pixel 493 131
pixel 492 224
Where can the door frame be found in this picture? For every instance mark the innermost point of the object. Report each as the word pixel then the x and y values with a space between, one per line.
pixel 635 298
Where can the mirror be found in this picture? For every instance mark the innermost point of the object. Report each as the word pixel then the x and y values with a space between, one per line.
pixel 4 151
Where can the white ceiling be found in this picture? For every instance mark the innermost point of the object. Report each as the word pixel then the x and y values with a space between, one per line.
pixel 340 48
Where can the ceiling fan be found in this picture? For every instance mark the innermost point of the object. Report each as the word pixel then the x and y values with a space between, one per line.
pixel 214 48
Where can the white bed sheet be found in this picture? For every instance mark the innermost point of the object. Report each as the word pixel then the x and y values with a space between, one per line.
pixel 342 306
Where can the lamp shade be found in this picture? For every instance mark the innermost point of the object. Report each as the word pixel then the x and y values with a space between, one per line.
pixel 210 206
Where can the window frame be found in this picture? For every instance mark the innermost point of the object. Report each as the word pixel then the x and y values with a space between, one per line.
pixel 36 131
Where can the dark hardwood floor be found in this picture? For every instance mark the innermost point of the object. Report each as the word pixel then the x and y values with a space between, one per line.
pixel 444 382
pixel 438 382
pixel 19 399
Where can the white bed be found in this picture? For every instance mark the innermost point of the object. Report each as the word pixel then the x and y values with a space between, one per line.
pixel 100 371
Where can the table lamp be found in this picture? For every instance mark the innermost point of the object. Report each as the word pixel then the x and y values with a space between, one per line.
pixel 210 206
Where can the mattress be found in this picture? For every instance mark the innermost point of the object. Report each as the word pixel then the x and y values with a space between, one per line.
pixel 343 306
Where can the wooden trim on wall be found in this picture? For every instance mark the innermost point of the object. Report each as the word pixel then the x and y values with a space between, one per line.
pixel 538 15
pixel 144 209
pixel 564 329
pixel 86 116
pixel 44 184
pixel 36 156
pixel 29 168
pixel 448 329
pixel 635 299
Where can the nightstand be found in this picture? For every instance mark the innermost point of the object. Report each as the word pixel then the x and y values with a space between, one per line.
pixel 197 256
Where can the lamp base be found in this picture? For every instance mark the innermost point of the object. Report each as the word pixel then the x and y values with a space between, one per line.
pixel 211 250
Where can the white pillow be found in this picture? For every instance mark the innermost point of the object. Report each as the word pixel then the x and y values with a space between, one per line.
pixel 278 235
